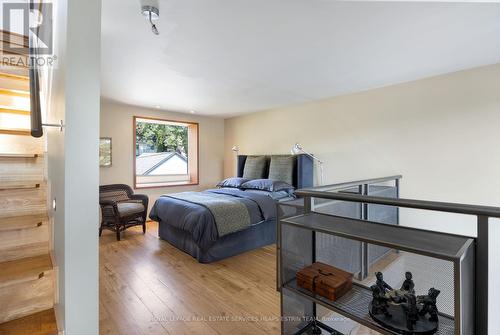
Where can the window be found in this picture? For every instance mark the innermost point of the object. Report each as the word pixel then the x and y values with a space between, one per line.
pixel 166 152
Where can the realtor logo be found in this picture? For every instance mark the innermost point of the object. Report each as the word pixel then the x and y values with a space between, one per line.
pixel 33 20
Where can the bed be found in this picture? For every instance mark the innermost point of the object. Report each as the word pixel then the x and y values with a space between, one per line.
pixel 208 225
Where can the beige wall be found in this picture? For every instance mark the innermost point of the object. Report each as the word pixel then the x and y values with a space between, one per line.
pixel 116 122
pixel 442 134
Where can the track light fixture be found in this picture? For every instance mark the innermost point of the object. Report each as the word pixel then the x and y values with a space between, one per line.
pixel 297 150
pixel 152 14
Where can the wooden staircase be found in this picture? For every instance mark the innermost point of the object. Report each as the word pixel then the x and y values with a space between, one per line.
pixel 14 103
pixel 27 275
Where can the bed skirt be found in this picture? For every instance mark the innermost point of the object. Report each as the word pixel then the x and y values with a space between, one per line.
pixel 233 244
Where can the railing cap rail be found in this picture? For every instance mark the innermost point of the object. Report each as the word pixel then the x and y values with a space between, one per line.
pixel 353 183
pixel 405 203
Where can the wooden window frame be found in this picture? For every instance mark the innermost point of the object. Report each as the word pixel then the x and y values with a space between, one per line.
pixel 193 169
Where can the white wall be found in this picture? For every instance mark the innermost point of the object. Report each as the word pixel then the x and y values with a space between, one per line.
pixel 73 163
pixel 55 155
pixel 117 123
pixel 442 134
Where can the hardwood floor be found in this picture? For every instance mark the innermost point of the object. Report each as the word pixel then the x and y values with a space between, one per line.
pixel 41 323
pixel 149 287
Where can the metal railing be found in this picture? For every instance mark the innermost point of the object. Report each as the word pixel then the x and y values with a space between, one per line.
pixel 35 79
pixel 362 187
pixel 488 211
pixel 349 184
pixel 34 75
pixel 483 213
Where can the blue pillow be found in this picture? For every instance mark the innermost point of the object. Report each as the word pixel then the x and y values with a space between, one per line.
pixel 275 195
pixel 234 182
pixel 267 185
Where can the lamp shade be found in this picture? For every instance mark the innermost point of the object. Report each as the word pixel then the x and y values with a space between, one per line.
pixel 296 149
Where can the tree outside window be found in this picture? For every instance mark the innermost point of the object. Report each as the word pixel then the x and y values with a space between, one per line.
pixel 166 152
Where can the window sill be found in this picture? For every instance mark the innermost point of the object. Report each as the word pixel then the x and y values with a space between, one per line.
pixel 160 185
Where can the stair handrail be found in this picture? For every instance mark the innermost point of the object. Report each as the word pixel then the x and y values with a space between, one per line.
pixel 34 76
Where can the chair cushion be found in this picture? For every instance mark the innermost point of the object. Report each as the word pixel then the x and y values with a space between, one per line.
pixel 129 208
pixel 114 195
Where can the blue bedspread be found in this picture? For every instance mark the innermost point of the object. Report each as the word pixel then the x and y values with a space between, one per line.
pixel 199 221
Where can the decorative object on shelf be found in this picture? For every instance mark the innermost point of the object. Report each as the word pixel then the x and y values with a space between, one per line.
pixel 408 284
pixel 325 280
pixel 402 311
pixel 411 310
pixel 429 304
pixel 297 149
pixel 382 285
pixel 380 302
pixel 105 157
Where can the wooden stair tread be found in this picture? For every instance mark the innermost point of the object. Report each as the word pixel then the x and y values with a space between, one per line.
pixel 21 155
pixel 17 202
pixel 14 131
pixel 9 110
pixel 14 93
pixel 14 65
pixel 14 76
pixel 15 38
pixel 24 269
pixel 16 70
pixel 12 144
pixel 41 323
pixel 21 52
pixel 11 253
pixel 11 81
pixel 22 222
pixel 19 184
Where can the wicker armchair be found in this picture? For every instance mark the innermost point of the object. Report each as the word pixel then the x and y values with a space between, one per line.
pixel 121 208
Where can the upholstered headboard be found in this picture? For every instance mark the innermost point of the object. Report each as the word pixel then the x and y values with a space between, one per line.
pixel 303 170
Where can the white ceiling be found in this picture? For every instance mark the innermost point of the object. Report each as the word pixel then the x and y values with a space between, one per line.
pixel 228 57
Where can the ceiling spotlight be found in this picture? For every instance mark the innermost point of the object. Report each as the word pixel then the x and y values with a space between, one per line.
pixel 157 106
pixel 192 112
pixel 151 13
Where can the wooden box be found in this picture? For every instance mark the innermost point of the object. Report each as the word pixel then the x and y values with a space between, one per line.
pixel 325 280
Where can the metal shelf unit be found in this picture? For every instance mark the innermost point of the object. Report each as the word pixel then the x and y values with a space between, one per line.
pixel 354 304
pixel 297 240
